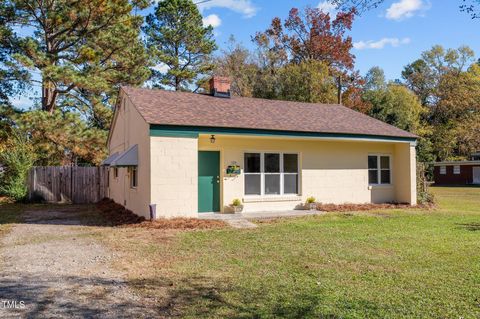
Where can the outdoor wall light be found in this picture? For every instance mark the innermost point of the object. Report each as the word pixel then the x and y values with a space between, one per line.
pixel 212 139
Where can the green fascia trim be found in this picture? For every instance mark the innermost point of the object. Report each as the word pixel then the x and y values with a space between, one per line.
pixel 172 133
pixel 194 131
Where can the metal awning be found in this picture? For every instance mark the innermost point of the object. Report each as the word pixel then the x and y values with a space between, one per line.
pixel 108 161
pixel 127 158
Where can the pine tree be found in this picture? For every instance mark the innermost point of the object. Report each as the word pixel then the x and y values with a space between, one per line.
pixel 12 79
pixel 176 38
pixel 82 50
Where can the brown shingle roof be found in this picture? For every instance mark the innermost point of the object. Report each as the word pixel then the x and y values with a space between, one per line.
pixel 189 109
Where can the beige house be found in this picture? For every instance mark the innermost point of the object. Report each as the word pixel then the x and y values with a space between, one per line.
pixel 191 153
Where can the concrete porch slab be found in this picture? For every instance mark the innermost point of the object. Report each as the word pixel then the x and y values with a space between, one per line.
pixel 259 215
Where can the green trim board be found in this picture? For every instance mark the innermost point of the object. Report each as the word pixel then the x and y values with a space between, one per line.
pixel 194 131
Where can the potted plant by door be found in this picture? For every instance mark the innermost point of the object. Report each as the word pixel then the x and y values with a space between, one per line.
pixel 311 203
pixel 237 205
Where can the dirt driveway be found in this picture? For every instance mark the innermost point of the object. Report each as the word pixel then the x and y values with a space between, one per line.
pixel 52 264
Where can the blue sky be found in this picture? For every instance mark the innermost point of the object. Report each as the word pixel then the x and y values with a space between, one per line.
pixel 389 36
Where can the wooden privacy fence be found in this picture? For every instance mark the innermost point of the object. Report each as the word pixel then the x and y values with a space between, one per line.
pixel 67 184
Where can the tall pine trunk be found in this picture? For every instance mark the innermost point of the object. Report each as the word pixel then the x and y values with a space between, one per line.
pixel 49 96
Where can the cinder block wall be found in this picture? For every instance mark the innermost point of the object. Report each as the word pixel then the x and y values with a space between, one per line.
pixel 174 176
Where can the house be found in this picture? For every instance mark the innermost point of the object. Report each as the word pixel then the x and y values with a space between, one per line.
pixel 458 172
pixel 191 153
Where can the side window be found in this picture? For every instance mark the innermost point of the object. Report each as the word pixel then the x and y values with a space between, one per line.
pixel 379 171
pixel 372 169
pixel 133 177
pixel 385 172
pixel 443 170
pixel 115 172
pixel 456 170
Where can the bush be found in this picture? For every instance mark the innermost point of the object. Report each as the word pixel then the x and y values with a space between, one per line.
pixel 236 202
pixel 424 196
pixel 16 159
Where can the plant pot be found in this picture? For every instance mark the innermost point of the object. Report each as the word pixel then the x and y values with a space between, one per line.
pixel 312 206
pixel 237 209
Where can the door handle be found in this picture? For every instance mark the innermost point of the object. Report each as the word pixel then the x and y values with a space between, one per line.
pixel 218 179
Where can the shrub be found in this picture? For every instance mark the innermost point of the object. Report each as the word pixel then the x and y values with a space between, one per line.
pixel 236 202
pixel 311 200
pixel 16 159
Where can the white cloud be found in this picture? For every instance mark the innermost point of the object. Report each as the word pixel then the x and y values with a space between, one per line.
pixel 327 7
pixel 380 44
pixel 162 68
pixel 244 7
pixel 405 9
pixel 213 20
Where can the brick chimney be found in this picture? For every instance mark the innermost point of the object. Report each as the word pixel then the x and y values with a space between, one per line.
pixel 220 86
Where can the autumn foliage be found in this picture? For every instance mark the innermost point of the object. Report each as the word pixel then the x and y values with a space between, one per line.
pixel 314 35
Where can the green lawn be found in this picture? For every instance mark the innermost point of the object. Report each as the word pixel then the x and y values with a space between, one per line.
pixel 389 264
pixel 383 264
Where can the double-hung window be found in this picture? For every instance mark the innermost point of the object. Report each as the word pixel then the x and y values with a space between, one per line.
pixel 379 171
pixel 271 173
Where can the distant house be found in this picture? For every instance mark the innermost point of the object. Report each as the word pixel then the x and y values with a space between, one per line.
pixel 458 172
pixel 192 153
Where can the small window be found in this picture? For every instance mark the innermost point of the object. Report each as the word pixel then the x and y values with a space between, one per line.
pixel 133 177
pixel 379 171
pixel 456 169
pixel 115 172
pixel 443 170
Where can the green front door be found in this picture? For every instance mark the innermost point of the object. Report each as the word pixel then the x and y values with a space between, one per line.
pixel 208 181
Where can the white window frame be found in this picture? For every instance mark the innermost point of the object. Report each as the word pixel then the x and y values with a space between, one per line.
pixel 443 170
pixel 379 170
pixel 456 170
pixel 132 179
pixel 282 174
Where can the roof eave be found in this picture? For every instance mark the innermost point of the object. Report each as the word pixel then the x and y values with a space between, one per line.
pixel 194 131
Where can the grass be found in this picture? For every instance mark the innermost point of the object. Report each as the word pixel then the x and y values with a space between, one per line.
pixel 9 214
pixel 379 264
pixel 384 264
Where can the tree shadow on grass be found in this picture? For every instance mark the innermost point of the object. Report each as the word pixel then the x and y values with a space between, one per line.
pixel 70 296
pixel 94 297
pixel 469 226
pixel 203 297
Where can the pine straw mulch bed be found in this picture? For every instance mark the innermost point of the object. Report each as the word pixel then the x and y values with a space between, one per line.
pixel 366 207
pixel 116 215
pixel 6 200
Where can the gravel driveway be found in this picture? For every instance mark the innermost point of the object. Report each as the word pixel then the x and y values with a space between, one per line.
pixel 53 266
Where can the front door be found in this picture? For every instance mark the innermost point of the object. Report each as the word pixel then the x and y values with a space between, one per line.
pixel 476 175
pixel 208 181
